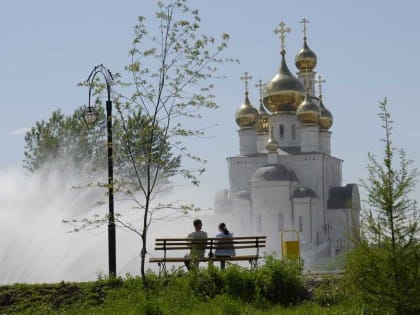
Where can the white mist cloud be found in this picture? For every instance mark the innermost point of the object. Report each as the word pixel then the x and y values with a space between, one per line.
pixel 19 131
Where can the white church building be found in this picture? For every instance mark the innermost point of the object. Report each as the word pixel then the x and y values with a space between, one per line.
pixel 284 175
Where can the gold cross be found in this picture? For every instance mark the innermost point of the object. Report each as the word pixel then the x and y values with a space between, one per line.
pixel 319 82
pixel 304 22
pixel 245 78
pixel 282 30
pixel 260 86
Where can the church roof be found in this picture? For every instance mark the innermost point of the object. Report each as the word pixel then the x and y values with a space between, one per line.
pixel 303 192
pixel 274 172
pixel 243 194
pixel 341 197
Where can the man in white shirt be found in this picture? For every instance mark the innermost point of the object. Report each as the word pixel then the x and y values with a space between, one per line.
pixel 197 250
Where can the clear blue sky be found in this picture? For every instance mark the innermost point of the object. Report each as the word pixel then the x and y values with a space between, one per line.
pixel 366 50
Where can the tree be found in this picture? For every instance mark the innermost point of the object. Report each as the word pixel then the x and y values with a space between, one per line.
pixel 65 136
pixel 384 268
pixel 172 76
pixel 168 81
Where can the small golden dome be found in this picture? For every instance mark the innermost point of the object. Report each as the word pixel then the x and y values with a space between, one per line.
pixel 306 59
pixel 262 123
pixel 308 111
pixel 246 115
pixel 284 92
pixel 272 145
pixel 325 117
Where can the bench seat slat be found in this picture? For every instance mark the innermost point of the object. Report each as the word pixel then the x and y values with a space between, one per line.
pixel 183 259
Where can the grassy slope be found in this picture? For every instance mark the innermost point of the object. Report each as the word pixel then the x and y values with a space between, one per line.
pixel 276 289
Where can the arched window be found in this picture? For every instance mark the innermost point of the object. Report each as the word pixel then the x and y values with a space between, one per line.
pixel 281 132
pixel 280 221
pixel 300 224
pixel 259 223
pixel 293 132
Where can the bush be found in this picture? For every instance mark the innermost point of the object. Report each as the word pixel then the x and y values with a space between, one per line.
pixel 329 292
pixel 279 281
pixel 239 283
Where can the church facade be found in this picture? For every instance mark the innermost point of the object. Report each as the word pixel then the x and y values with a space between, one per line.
pixel 285 176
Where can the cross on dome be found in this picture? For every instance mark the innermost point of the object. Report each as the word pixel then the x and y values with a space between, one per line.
pixel 246 78
pixel 320 81
pixel 304 22
pixel 282 30
pixel 260 86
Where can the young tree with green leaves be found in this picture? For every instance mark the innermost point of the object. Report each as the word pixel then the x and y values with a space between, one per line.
pixel 172 73
pixel 384 268
pixel 169 80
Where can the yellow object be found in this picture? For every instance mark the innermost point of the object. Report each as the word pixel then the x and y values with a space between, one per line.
pixel 290 249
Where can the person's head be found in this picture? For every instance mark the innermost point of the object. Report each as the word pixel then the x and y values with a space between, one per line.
pixel 197 224
pixel 222 228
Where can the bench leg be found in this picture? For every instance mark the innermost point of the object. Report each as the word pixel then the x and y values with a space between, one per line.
pixel 162 268
pixel 253 263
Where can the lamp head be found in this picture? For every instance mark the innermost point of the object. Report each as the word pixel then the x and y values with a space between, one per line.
pixel 90 116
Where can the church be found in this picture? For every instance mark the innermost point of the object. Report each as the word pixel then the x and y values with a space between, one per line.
pixel 285 175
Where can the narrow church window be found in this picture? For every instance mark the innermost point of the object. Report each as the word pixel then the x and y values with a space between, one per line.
pixel 281 132
pixel 293 132
pixel 259 223
pixel 280 221
pixel 300 224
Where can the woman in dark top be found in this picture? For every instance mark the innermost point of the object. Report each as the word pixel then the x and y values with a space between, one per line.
pixel 224 248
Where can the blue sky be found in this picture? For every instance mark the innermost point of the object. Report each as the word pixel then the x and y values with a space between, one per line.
pixel 366 50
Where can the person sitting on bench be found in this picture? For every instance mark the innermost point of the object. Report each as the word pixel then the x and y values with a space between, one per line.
pixel 224 248
pixel 197 250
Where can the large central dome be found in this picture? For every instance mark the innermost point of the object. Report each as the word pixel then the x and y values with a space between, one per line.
pixel 284 93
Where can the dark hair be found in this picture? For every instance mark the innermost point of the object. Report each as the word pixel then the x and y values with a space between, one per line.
pixel 222 227
pixel 197 222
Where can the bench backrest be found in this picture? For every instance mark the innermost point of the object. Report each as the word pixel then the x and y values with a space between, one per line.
pixel 211 243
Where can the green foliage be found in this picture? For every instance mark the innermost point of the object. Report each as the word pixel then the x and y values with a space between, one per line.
pixel 278 281
pixel 239 283
pixel 329 292
pixel 178 293
pixel 65 136
pixel 384 269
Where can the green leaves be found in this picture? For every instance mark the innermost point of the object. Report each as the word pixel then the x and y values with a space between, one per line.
pixel 384 268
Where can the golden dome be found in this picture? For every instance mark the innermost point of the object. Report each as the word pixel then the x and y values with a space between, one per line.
pixel 326 118
pixel 272 145
pixel 262 123
pixel 308 111
pixel 246 115
pixel 306 59
pixel 284 92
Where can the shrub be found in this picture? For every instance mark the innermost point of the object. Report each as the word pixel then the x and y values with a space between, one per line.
pixel 279 281
pixel 329 292
pixel 239 283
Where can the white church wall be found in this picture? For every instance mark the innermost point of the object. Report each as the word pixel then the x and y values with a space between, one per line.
pixel 241 169
pixel 312 169
pixel 302 216
pixel 261 143
pixel 271 207
pixel 325 142
pixel 242 216
pixel 286 130
pixel 340 228
pixel 247 141
pixel 309 135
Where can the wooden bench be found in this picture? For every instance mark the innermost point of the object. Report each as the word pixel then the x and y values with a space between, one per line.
pixel 210 244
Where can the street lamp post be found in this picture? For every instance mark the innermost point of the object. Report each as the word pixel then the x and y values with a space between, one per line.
pixel 90 118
